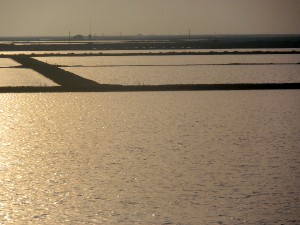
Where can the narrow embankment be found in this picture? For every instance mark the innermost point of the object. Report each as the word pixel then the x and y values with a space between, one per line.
pixel 70 82
pixel 54 73
pixel 143 88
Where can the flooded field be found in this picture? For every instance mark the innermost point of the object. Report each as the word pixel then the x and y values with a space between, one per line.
pixel 6 63
pixel 15 77
pixel 171 60
pixel 202 157
pixel 219 74
pixel 155 70
pixel 161 70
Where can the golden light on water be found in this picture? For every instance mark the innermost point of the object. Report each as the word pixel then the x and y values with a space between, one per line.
pixel 106 117
pixel 156 158
pixel 7 158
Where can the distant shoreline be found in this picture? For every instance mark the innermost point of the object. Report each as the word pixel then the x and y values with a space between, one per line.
pixel 150 43
pixel 153 53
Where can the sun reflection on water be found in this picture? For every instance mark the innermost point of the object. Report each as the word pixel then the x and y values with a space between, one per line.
pixel 149 158
pixel 11 118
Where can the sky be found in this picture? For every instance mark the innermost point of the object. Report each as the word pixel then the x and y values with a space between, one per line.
pixel 148 17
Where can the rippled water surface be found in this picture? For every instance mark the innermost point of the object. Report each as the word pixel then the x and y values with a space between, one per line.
pixel 150 158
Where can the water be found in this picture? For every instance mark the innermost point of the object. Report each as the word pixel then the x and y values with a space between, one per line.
pixel 155 75
pixel 6 63
pixel 215 157
pixel 169 60
pixel 155 70
pixel 15 77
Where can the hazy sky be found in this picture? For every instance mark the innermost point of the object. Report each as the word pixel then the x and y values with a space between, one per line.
pixel 112 17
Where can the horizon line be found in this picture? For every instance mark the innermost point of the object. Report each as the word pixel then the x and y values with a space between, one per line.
pixel 141 34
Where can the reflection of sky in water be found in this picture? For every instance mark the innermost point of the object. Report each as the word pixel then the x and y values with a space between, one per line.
pixel 183 69
pixel 170 60
pixel 156 70
pixel 22 77
pixel 155 75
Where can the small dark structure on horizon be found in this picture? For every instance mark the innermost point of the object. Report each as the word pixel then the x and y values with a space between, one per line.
pixel 78 37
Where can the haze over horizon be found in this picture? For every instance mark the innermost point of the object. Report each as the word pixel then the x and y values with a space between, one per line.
pixel 155 17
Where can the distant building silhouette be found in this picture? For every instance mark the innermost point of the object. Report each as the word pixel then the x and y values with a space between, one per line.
pixel 78 37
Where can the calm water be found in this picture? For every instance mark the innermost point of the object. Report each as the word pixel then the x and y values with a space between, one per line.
pixel 10 76
pixel 170 60
pixel 22 77
pixel 5 62
pixel 150 158
pixel 155 70
pixel 217 74
pixel 136 70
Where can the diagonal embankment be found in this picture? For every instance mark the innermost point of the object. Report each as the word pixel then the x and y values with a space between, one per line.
pixel 61 77
pixel 70 82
